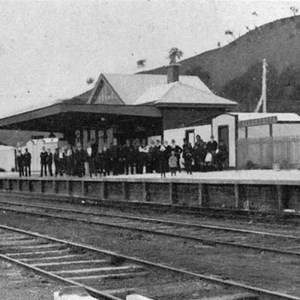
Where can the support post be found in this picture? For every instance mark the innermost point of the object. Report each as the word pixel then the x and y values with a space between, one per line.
pixel 279 196
pixel 125 191
pixel 171 190
pixel 200 194
pixel 54 186
pixel 236 196
pixel 83 191
pixel 144 197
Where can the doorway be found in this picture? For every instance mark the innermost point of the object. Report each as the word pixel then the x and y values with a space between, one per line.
pixel 190 136
pixel 223 135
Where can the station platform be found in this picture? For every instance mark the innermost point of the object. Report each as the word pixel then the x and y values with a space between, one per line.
pixel 258 190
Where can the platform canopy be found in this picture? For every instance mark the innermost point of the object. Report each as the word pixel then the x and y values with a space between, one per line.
pixel 62 117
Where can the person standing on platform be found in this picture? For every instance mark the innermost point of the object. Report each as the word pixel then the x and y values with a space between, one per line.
pixel 161 158
pixel 178 151
pixel 27 163
pixel 188 161
pixel 143 153
pixel 173 163
pixel 69 161
pixel 100 163
pixel 152 157
pixel 115 156
pixel 167 155
pixel 127 153
pixel 90 160
pixel 199 153
pixel 186 148
pixel 43 158
pixel 49 162
pixel 106 161
pixel 212 146
pixel 56 162
pixel 20 163
pixel 79 160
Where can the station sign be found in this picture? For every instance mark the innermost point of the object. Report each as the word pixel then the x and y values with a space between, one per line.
pixel 258 122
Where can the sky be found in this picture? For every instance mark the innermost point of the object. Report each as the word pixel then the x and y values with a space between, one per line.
pixel 49 48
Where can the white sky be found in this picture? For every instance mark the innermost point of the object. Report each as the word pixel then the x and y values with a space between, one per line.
pixel 49 48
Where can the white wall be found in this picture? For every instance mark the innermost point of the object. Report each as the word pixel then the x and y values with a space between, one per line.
pixel 178 134
pixel 258 131
pixel 286 130
pixel 229 120
pixel 7 158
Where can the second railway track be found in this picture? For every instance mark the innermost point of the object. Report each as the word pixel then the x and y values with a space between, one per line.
pixel 205 234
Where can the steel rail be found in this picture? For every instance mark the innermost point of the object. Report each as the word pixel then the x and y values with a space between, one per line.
pixel 209 278
pixel 93 291
pixel 210 242
pixel 154 220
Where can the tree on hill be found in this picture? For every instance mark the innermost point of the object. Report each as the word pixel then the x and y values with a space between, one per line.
pixel 174 54
pixel 90 80
pixel 294 10
pixel 141 63
pixel 229 32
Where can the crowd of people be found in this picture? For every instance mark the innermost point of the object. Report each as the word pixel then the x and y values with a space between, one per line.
pixel 134 157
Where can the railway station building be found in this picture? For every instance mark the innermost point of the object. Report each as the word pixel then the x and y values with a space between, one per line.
pixel 126 106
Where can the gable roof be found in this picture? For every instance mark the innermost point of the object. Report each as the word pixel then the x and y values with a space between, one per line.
pixel 180 93
pixel 129 87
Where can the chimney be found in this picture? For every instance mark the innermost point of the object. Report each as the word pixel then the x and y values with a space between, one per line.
pixel 173 72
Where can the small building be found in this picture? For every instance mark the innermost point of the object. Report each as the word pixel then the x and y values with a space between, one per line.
pixel 7 158
pixel 126 106
pixel 263 139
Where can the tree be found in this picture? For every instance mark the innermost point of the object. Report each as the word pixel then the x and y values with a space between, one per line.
pixel 294 10
pixel 229 32
pixel 90 80
pixel 174 54
pixel 141 63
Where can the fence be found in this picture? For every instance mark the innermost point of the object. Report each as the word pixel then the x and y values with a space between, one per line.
pixel 264 152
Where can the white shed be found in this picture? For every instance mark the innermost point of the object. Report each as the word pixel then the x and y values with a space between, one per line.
pixel 234 128
pixel 7 157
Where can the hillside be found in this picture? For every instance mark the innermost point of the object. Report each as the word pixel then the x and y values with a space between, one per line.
pixel 234 71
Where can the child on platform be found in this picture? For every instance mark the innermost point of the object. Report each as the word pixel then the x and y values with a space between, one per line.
pixel 173 163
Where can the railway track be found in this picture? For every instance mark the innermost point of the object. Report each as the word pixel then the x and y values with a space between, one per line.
pixel 109 275
pixel 205 234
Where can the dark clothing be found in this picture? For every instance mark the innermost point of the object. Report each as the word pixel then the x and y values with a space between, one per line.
pixel 212 146
pixel 115 158
pixel 43 157
pixel 127 155
pixel 100 164
pixel 27 163
pixel 49 163
pixel 199 154
pixel 188 159
pixel 162 159
pixel 79 158
pixel 178 152
pixel 106 162
pixel 20 164
pixel 58 170
pixel 94 147
pixel 91 162
pixel 221 157
pixel 70 164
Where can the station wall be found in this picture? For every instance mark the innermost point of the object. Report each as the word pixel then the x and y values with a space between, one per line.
pixel 179 134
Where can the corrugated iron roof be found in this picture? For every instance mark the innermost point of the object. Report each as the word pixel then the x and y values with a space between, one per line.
pixel 281 117
pixel 180 93
pixel 130 87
